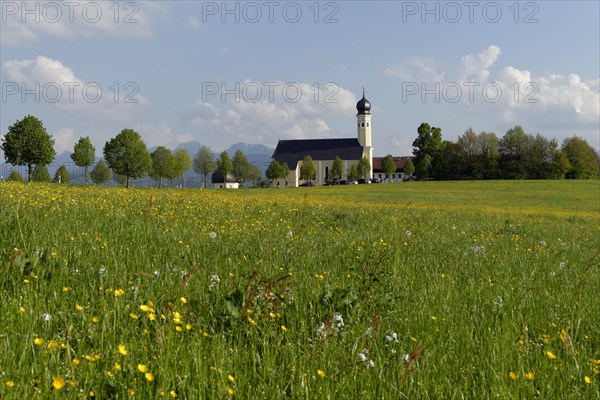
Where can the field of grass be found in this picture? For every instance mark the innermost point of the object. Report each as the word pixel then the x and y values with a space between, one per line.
pixel 414 290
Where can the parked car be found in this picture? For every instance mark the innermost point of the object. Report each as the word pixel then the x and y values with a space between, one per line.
pixel 344 182
pixel 307 184
pixel 375 180
pixel 363 181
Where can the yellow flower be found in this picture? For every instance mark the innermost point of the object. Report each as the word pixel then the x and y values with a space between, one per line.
pixel 93 358
pixel 151 316
pixel 512 375
pixel 75 361
pixel 117 367
pixel 230 378
pixel 587 380
pixel 188 326
pixel 52 345
pixel 122 350
pixel 530 375
pixel 134 316
pixel 433 318
pixel 253 322
pixel 10 384
pixel 38 341
pixel 146 308
pixel 321 373
pixel 178 328
pixel 550 355
pixel 92 394
pixel 230 391
pixel 283 328
pixel 58 382
pixel 142 368
pixel 173 393
pixel 78 307
pixel 131 393
pixel 95 319
pixel 119 292
pixel 149 376
pixel 183 300
pixel 21 309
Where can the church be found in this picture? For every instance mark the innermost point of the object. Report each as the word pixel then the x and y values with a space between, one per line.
pixel 324 151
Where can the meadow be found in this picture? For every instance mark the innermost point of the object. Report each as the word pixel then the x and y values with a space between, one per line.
pixel 393 291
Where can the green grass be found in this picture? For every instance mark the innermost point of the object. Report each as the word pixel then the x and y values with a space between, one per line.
pixel 444 289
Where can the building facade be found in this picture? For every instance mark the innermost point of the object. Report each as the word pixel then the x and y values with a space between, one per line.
pixel 324 151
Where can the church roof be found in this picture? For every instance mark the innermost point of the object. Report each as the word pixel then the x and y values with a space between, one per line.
pixel 292 151
pixel 363 106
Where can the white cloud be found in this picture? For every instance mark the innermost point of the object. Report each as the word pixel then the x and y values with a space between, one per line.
pixel 298 110
pixel 37 21
pixel 64 139
pixel 551 104
pixel 476 68
pixel 54 83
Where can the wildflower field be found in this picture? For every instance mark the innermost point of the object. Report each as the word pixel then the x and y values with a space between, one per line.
pixel 413 290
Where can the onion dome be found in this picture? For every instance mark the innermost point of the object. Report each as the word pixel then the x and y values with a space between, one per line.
pixel 363 106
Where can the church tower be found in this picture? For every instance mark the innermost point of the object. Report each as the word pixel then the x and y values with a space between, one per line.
pixel 363 118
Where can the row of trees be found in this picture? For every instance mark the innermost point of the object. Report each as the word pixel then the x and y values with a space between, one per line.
pixel 27 143
pixel 308 172
pixel 516 155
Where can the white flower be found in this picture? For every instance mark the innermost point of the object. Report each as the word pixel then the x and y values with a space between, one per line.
pixel 214 282
pixel 47 317
pixel 362 357
pixel 290 234
pixel 408 233
pixel 543 243
pixel 392 337
pixel 370 364
pixel 102 270
pixel 561 265
pixel 212 235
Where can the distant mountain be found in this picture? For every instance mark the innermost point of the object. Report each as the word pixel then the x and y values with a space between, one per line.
pixel 254 149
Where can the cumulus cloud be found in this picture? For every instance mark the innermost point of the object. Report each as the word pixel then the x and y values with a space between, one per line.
pixel 64 139
pixel 552 104
pixel 36 21
pixel 476 68
pixel 49 81
pixel 265 113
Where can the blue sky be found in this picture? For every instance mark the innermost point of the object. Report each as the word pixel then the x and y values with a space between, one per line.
pixel 220 73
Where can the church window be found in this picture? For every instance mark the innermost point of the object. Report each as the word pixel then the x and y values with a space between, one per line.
pixel 367 124
pixel 363 124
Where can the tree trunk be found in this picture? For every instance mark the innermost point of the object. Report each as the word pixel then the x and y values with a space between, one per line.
pixel 183 180
pixel 29 166
pixel 127 182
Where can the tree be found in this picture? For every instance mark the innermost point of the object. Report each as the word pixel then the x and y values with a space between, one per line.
pixel 277 170
pixel 240 166
pixel 181 163
pixel 388 165
pixel 364 167
pixel 273 169
pixel 337 169
pixel 489 155
pixel 62 175
pixel 426 147
pixel 101 173
pixel 513 150
pixel 582 157
pixel 120 179
pixel 352 173
pixel 224 165
pixel 204 163
pixel 127 155
pixel 162 164
pixel 307 169
pixel 84 155
pixel 40 174
pixel 409 168
pixel 14 176
pixel 560 165
pixel 254 174
pixel 28 143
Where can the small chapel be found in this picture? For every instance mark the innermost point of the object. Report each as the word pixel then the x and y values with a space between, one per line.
pixel 324 151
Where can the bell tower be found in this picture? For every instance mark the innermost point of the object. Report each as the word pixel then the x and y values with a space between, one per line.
pixel 363 119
